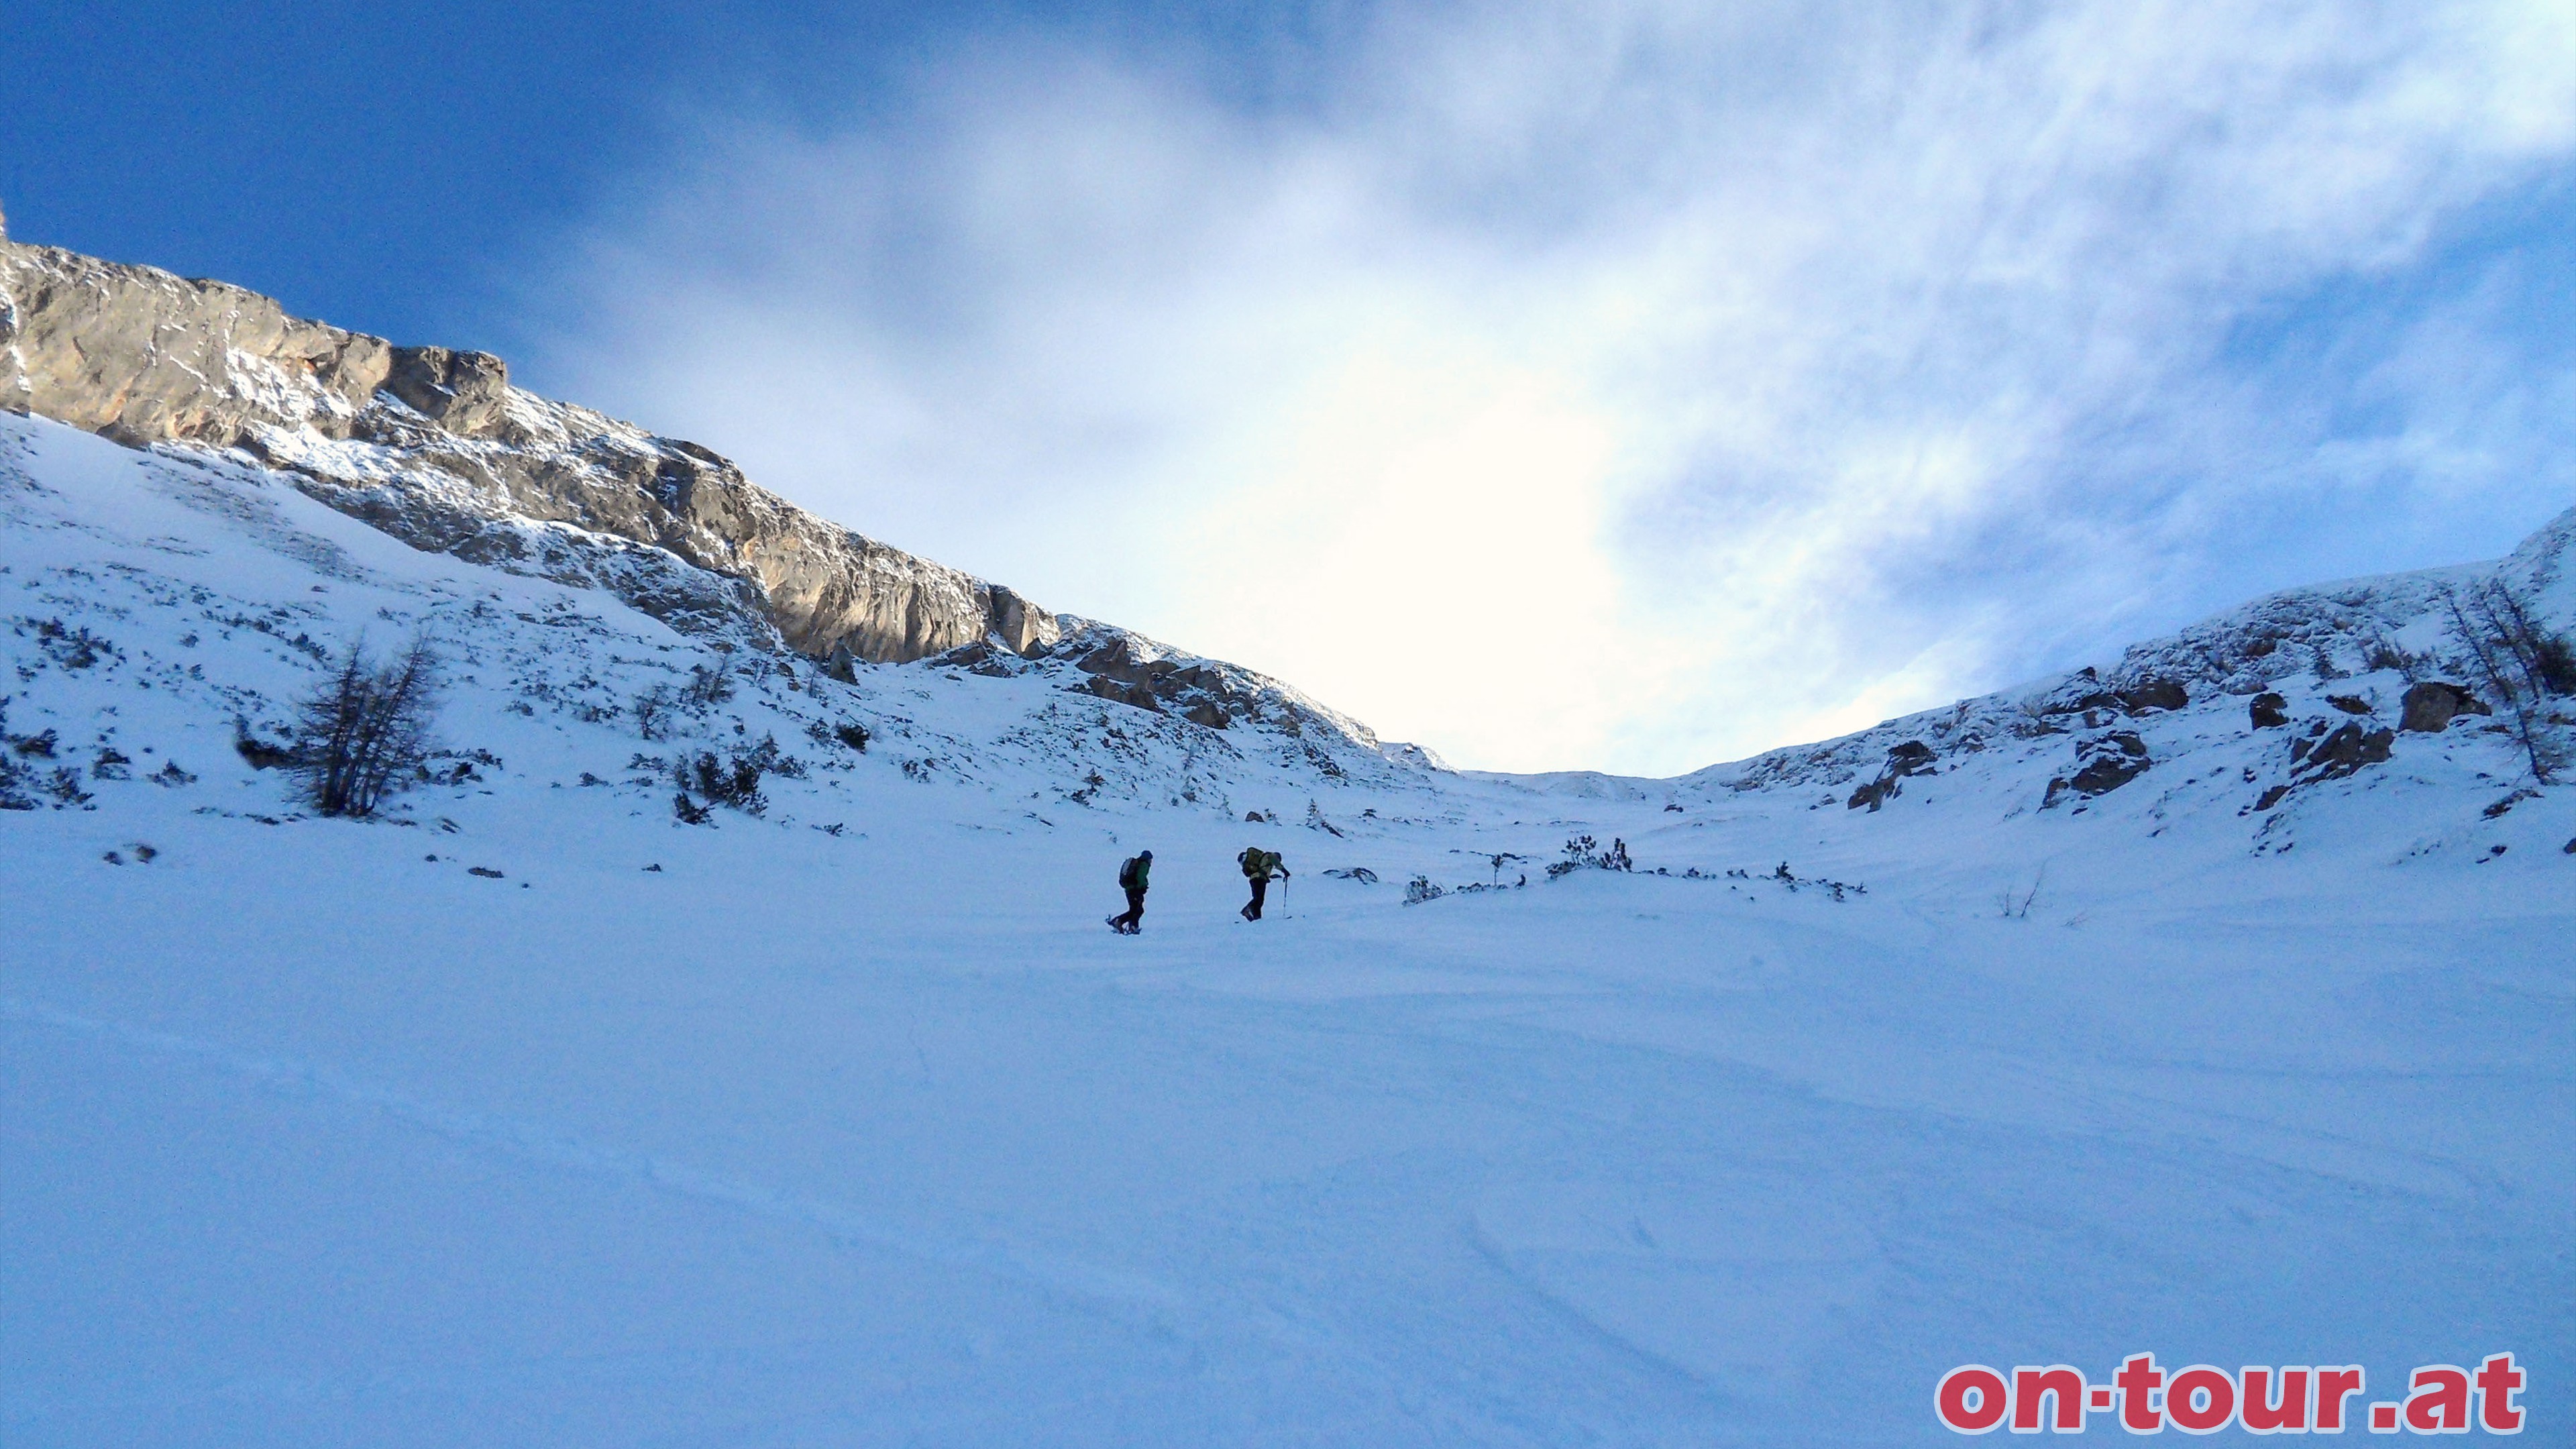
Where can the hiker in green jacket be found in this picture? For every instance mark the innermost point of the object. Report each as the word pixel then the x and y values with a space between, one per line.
pixel 1131 879
pixel 1259 867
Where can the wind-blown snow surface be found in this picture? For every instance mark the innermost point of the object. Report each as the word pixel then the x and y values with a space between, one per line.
pixel 309 1136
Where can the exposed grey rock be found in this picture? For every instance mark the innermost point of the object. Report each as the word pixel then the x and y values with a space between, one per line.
pixel 1127 667
pixel 2329 755
pixel 2154 694
pixel 2268 711
pixel 2342 753
pixel 146 357
pixel 1912 757
pixel 435 447
pixel 463 392
pixel 2082 693
pixel 2430 706
pixel 2102 765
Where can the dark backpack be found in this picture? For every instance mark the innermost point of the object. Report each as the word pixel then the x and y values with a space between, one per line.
pixel 1127 875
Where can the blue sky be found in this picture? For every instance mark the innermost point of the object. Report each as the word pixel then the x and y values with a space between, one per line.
pixel 1625 385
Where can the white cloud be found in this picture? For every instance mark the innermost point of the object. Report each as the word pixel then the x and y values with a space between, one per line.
pixel 1629 387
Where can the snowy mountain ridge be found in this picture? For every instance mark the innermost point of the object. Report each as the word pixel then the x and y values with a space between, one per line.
pixel 2292 668
pixel 436 448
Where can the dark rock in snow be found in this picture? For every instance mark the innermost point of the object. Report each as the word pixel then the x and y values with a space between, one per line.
pixel 1913 757
pixel 2103 764
pixel 2432 705
pixel 2082 693
pixel 2269 711
pixel 2153 694
pixel 2350 704
pixel 2344 753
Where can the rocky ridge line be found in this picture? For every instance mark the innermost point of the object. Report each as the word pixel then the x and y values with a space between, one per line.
pixel 2353 650
pixel 435 447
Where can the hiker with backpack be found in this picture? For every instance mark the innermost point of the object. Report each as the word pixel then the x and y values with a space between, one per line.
pixel 1259 867
pixel 1131 879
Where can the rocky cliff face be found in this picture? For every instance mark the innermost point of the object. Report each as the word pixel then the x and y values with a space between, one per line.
pixel 437 448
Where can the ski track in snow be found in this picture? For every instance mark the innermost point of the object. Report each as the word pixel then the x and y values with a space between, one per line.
pixel 528 1142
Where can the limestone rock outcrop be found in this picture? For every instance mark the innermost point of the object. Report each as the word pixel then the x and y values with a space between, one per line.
pixel 436 447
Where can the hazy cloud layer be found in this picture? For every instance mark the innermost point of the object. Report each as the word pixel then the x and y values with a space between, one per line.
pixel 1637 388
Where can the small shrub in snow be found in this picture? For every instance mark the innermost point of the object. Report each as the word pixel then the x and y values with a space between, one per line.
pixel 2015 905
pixel 708 687
pixel 1585 853
pixel 65 786
pixel 73 648
pixel 653 710
pixel 365 733
pixel 730 780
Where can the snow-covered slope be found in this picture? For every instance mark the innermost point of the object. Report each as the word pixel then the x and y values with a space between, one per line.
pixel 532 1114
pixel 2243 716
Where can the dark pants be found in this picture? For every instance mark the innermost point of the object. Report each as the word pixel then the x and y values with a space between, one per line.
pixel 1133 921
pixel 1260 888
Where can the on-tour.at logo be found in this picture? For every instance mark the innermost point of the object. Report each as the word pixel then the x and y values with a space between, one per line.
pixel 2145 1398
